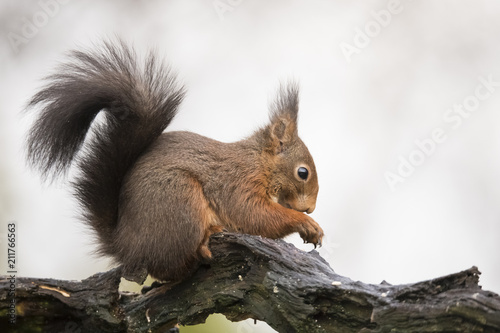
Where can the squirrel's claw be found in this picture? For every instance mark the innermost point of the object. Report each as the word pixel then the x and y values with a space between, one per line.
pixel 311 232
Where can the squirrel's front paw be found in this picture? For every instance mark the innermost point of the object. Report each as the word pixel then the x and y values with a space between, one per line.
pixel 310 231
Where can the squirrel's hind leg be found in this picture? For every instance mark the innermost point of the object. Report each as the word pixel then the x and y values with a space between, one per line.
pixel 208 221
pixel 197 207
pixel 203 250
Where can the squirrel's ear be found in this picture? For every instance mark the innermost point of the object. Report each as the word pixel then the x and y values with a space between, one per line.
pixel 284 113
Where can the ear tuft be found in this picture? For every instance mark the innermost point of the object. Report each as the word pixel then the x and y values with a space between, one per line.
pixel 286 104
pixel 283 116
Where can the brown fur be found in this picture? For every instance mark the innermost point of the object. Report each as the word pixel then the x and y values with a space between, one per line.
pixel 178 188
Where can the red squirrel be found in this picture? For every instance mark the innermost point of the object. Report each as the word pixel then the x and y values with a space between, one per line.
pixel 153 198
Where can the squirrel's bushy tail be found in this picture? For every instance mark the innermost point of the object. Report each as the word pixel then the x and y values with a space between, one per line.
pixel 137 101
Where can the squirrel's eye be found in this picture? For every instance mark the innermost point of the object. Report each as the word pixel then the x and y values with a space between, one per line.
pixel 303 173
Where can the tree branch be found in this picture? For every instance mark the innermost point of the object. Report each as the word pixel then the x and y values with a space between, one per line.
pixel 254 277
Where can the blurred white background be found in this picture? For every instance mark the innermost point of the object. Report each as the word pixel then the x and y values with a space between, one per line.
pixel 376 77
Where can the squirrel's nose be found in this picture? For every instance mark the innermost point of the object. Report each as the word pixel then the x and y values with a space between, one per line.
pixel 300 204
pixel 308 205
